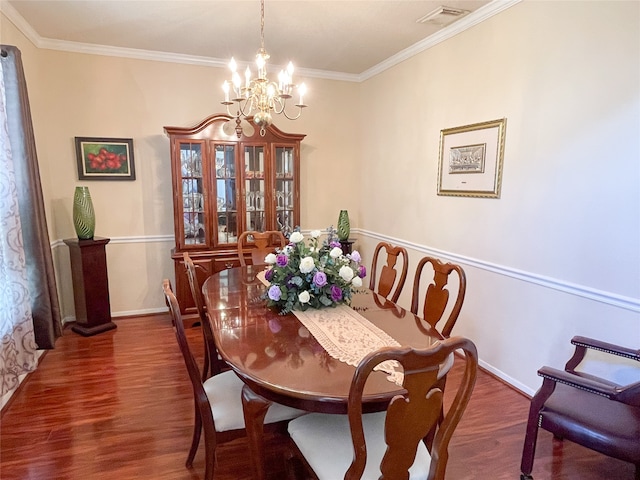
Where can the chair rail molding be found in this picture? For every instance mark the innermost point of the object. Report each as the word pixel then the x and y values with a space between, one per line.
pixel 609 298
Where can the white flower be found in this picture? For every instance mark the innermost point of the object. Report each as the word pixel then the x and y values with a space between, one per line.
pixel 304 297
pixel 346 273
pixel 270 259
pixel 356 282
pixel 307 264
pixel 296 237
pixel 315 233
pixel 335 252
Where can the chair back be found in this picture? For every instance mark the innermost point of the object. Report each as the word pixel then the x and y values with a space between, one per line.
pixel 388 283
pixel 258 245
pixel 437 296
pixel 412 416
pixel 200 396
pixel 212 362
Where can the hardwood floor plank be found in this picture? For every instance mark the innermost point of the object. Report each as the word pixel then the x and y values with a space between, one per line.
pixel 119 406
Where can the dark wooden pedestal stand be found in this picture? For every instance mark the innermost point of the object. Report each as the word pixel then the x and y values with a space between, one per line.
pixel 346 246
pixel 90 285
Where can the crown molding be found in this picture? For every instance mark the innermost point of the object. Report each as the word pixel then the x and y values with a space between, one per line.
pixel 478 16
pixel 483 13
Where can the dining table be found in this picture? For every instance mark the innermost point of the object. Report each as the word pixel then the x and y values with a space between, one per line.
pixel 279 358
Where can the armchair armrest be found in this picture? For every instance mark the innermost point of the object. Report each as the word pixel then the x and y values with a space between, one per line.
pixel 628 394
pixel 606 347
pixel 582 383
pixel 584 343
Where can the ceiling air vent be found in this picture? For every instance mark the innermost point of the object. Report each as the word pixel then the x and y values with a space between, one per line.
pixel 443 16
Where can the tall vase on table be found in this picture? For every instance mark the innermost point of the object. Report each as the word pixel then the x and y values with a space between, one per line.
pixel 344 229
pixel 84 219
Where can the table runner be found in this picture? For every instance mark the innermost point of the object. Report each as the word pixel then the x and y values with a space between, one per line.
pixel 347 336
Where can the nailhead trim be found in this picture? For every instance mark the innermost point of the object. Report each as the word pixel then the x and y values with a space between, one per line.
pixel 579 387
pixel 635 357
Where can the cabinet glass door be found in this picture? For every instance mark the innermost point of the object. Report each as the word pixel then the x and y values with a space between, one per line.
pixel 285 192
pixel 193 217
pixel 254 187
pixel 226 204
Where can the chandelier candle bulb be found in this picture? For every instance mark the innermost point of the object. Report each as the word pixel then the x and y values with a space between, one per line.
pixel 302 89
pixel 225 88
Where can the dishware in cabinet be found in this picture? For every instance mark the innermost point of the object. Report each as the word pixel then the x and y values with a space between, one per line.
pixel 225 184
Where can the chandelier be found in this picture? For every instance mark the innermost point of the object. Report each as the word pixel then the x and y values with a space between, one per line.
pixel 259 96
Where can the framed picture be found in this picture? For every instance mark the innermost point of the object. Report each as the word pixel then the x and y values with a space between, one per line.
pixel 471 159
pixel 105 158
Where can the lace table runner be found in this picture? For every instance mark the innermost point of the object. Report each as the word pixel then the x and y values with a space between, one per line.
pixel 348 336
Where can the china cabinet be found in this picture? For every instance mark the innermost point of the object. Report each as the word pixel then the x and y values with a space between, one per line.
pixel 225 183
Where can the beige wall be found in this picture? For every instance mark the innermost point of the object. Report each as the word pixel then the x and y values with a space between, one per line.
pixel 554 255
pixel 89 95
pixel 557 255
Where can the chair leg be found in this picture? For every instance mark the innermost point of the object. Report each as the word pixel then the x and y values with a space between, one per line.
pixel 195 441
pixel 531 434
pixel 210 452
pixel 529 448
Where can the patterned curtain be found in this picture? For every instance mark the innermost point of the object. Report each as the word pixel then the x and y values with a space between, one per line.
pixel 17 354
pixel 24 238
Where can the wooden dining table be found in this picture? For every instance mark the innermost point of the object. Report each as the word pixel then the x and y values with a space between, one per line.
pixel 279 360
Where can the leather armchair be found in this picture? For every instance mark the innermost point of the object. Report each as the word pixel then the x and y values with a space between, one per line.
pixel 585 409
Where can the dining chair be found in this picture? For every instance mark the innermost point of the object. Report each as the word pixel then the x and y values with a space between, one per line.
pixel 390 443
pixel 586 409
pixel 437 296
pixel 213 363
pixel 388 284
pixel 258 245
pixel 218 401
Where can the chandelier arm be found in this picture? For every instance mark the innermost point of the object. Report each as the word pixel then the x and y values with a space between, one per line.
pixel 300 107
pixel 243 110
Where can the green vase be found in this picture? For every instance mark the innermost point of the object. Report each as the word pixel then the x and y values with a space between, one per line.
pixel 84 219
pixel 344 229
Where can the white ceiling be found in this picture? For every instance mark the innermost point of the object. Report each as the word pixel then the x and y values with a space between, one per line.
pixel 348 39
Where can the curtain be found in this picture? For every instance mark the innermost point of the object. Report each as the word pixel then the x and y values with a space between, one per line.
pixel 29 308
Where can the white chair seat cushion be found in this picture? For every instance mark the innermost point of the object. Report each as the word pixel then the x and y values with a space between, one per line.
pixel 325 442
pixel 225 397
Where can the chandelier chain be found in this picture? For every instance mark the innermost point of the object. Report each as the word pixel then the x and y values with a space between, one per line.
pixel 262 24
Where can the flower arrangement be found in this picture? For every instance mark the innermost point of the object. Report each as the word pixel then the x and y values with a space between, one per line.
pixel 304 276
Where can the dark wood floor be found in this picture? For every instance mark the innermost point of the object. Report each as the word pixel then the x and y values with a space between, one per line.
pixel 118 406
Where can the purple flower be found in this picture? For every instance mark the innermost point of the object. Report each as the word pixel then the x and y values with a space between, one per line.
pixel 274 293
pixel 282 260
pixel 355 256
pixel 336 293
pixel 268 275
pixel 362 271
pixel 334 244
pixel 320 279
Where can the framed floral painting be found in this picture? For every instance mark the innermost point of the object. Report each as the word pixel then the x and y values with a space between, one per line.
pixel 105 158
pixel 471 159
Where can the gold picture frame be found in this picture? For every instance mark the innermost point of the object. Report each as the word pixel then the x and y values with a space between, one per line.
pixel 470 159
